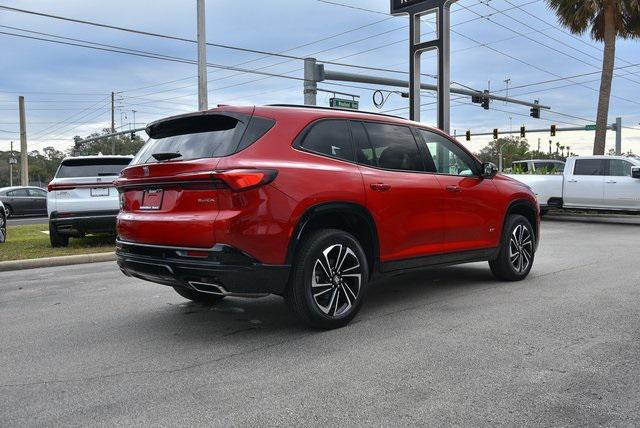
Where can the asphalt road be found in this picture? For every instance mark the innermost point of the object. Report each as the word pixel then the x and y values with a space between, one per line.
pixel 86 346
pixel 17 221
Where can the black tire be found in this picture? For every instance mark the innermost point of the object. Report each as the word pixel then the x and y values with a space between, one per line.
pixel 57 239
pixel 517 250
pixel 3 227
pixel 334 263
pixel 9 210
pixel 198 297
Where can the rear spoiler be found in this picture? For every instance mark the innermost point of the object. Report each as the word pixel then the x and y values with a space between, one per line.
pixel 196 122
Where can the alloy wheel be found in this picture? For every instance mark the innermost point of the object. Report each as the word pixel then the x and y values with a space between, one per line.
pixel 520 248
pixel 336 280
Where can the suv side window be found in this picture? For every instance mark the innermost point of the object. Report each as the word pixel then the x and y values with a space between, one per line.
pixel 589 167
pixel 331 138
pixel 445 157
pixel 19 192
pixel 619 168
pixel 393 147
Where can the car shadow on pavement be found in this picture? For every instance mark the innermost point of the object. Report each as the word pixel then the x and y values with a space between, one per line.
pixel 241 317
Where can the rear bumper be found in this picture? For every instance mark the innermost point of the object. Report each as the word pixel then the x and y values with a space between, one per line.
pixel 84 222
pixel 224 270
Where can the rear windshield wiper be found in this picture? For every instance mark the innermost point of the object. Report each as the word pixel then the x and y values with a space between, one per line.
pixel 166 156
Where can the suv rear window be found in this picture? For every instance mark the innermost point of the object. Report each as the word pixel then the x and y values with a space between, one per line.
pixel 91 167
pixel 202 136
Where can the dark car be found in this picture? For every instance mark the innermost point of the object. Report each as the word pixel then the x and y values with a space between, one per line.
pixel 24 200
pixel 3 223
pixel 309 203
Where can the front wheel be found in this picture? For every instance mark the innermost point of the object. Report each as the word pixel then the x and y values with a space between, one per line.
pixel 517 249
pixel 329 279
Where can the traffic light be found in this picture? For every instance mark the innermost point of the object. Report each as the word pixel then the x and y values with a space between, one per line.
pixel 553 130
pixel 522 131
pixel 468 135
pixel 495 133
pixel 535 112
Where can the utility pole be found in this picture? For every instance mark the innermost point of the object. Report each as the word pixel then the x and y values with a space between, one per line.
pixel 618 136
pixel 24 160
pixel 202 57
pixel 113 112
pixel 113 121
pixel 310 82
pixel 12 160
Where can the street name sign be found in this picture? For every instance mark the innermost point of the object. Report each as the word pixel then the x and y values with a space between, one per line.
pixel 343 103
pixel 414 6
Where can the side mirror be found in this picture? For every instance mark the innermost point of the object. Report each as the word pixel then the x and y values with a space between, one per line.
pixel 635 171
pixel 489 170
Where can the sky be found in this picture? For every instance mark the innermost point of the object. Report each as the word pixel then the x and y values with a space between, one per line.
pixel 67 89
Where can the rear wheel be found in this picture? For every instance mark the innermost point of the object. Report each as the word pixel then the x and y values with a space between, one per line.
pixel 517 249
pixel 329 279
pixel 57 239
pixel 9 210
pixel 198 297
pixel 3 227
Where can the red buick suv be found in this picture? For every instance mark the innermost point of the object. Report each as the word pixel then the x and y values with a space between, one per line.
pixel 312 204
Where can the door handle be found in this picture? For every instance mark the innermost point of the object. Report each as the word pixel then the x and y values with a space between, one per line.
pixel 380 187
pixel 611 182
pixel 454 189
pixel 572 181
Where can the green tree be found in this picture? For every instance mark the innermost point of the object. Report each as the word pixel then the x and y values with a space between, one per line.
pixel 606 20
pixel 123 144
pixel 513 149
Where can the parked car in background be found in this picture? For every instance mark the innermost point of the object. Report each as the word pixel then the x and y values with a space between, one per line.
pixel 310 203
pixel 589 182
pixel 538 166
pixel 3 223
pixel 82 198
pixel 24 200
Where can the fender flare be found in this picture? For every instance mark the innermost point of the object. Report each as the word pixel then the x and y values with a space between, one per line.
pixel 350 208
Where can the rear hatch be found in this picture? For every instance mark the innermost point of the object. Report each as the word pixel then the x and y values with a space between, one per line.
pixel 85 184
pixel 172 193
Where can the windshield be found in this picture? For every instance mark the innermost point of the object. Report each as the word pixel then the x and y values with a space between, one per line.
pixel 92 167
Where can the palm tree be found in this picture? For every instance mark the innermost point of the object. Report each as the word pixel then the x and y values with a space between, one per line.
pixel 557 147
pixel 606 20
pixel 562 150
pixel 568 151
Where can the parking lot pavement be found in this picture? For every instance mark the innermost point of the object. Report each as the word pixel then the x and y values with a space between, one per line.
pixel 18 221
pixel 86 346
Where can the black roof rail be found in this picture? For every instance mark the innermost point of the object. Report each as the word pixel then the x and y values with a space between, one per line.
pixel 335 109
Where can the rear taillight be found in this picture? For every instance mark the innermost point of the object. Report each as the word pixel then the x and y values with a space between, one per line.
pixel 51 187
pixel 244 179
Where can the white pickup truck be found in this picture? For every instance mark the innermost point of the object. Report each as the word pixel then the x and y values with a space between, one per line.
pixel 589 182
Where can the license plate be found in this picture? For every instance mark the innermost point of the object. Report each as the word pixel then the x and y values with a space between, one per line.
pixel 99 191
pixel 152 199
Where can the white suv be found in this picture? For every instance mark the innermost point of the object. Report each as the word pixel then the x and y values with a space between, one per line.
pixel 82 198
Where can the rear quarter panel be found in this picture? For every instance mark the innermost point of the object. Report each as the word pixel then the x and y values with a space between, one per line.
pixel 303 181
pixel 545 187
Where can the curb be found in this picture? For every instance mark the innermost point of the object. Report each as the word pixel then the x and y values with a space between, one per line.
pixel 56 261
